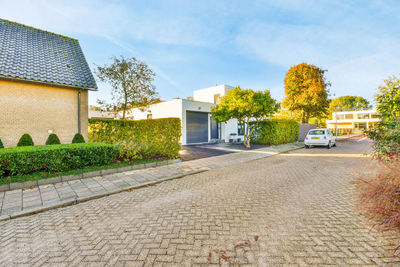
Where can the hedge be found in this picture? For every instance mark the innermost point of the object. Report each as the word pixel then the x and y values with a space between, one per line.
pixel 275 132
pixel 25 140
pixel 55 158
pixel 78 138
pixel 152 138
pixel 53 140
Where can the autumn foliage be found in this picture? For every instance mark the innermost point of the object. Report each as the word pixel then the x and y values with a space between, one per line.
pixel 306 92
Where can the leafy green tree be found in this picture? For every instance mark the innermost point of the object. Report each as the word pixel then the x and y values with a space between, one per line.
pixel 388 98
pixel 386 135
pixel 349 103
pixel 247 106
pixel 306 92
pixel 131 82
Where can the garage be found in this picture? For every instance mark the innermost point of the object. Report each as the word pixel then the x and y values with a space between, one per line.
pixel 196 127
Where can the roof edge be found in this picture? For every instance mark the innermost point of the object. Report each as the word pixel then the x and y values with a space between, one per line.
pixel 37 29
pixel 6 78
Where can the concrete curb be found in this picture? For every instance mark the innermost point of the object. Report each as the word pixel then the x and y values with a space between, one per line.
pixel 66 178
pixel 346 138
pixel 77 200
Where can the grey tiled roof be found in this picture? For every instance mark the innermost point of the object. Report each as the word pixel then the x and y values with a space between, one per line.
pixel 34 55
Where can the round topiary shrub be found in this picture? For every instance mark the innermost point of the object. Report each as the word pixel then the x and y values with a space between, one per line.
pixel 78 138
pixel 53 140
pixel 1 144
pixel 25 140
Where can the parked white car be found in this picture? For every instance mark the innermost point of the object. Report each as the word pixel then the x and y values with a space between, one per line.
pixel 320 137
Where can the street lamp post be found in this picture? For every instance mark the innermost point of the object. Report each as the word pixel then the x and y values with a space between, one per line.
pixel 336 120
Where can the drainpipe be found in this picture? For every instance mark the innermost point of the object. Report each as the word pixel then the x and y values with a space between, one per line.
pixel 79 111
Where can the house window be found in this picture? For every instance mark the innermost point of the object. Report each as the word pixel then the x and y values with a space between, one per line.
pixel 339 117
pixel 363 116
pixel 217 98
pixel 149 116
pixel 349 116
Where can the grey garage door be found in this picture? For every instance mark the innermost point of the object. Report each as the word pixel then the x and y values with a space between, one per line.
pixel 196 127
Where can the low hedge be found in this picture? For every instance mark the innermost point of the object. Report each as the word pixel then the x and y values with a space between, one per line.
pixel 55 158
pixel 152 138
pixel 275 132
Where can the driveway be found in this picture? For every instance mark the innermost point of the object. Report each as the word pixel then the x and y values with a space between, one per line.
pixel 296 208
pixel 193 152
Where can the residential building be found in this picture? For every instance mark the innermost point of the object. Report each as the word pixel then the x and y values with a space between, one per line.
pixel 195 113
pixel 99 114
pixel 353 121
pixel 44 84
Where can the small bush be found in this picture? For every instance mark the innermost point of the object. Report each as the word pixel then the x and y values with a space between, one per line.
pixel 25 140
pixel 53 140
pixel 275 132
pixel 78 138
pixel 152 138
pixel 1 144
pixel 55 158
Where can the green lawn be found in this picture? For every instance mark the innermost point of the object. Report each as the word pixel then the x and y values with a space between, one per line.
pixel 44 175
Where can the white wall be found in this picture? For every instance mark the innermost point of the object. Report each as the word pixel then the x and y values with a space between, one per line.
pixel 207 94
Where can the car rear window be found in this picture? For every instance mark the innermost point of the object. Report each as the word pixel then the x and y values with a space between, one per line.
pixel 316 132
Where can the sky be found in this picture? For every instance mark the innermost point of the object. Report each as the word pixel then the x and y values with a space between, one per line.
pixel 197 44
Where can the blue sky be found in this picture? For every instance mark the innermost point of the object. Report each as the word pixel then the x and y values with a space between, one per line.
pixel 197 44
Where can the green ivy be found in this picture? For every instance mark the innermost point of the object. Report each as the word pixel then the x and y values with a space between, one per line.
pixel 275 132
pixel 55 158
pixel 151 138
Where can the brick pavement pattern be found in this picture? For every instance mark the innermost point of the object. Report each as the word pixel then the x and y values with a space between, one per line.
pixel 293 209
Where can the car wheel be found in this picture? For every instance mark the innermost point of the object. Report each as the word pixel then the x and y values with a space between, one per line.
pixel 334 145
pixel 306 146
pixel 329 145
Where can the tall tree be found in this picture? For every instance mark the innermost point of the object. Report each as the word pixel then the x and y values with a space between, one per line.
pixel 349 103
pixel 306 92
pixel 388 99
pixel 246 106
pixel 131 82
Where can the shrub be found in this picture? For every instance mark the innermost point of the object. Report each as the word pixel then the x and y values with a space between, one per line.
pixel 55 158
pixel 151 138
pixel 275 132
pixel 78 138
pixel 1 144
pixel 53 140
pixel 25 140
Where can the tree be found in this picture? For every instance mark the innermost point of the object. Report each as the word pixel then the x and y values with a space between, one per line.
pixel 306 92
pixel 247 106
pixel 349 103
pixel 131 81
pixel 388 99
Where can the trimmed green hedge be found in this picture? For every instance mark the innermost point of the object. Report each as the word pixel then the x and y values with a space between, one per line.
pixel 53 140
pixel 152 138
pixel 78 138
pixel 275 132
pixel 55 158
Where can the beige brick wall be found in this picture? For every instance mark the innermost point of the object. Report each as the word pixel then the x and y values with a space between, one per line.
pixel 36 109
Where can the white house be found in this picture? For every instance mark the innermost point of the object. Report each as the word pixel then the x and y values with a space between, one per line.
pixel 195 114
pixel 354 121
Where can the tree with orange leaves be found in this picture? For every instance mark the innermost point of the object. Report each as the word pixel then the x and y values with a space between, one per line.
pixel 306 92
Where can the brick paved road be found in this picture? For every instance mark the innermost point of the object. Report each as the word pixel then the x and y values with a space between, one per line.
pixel 296 208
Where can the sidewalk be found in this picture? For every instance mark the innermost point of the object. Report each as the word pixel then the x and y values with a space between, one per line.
pixel 22 202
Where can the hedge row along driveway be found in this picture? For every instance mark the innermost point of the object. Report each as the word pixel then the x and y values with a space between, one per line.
pixel 276 132
pixel 153 137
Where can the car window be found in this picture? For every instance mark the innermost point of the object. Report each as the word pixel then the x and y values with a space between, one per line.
pixel 316 132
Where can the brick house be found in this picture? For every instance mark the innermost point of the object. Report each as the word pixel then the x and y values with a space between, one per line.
pixel 44 84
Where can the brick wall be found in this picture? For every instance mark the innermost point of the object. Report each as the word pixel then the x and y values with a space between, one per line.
pixel 36 109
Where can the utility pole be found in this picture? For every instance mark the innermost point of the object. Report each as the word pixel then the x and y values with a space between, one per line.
pixel 336 120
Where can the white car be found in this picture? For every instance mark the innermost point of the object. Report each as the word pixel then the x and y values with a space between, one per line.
pixel 319 137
